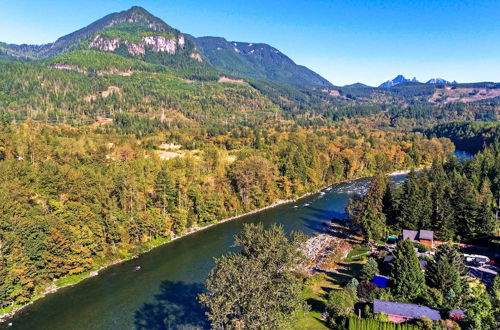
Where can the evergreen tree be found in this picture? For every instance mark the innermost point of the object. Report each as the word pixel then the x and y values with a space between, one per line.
pixel 371 218
pixel 411 203
pixel 408 278
pixel 445 274
pixel 467 210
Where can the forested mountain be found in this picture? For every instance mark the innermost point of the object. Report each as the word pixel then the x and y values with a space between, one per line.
pixel 256 61
pixel 357 85
pixel 72 41
pixel 136 33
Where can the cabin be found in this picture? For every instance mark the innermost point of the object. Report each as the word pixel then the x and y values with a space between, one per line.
pixel 425 237
pixel 400 312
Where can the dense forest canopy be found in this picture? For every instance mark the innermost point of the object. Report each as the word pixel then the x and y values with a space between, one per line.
pixel 457 200
pixel 73 199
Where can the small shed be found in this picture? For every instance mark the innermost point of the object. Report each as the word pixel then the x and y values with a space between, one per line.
pixel 380 281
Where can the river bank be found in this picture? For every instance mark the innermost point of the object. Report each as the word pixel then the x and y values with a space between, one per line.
pixel 53 288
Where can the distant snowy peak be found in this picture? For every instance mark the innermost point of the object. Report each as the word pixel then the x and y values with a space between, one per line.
pixel 440 81
pixel 401 79
pixel 398 80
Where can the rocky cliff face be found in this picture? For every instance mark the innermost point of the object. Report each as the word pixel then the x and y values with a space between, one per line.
pixel 154 43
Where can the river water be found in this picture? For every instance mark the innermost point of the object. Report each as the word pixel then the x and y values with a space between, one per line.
pixel 162 293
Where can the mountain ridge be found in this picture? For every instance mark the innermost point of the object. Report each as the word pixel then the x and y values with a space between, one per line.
pixel 256 61
pixel 137 33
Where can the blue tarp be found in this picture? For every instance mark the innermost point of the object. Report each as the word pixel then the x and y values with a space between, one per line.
pixel 380 281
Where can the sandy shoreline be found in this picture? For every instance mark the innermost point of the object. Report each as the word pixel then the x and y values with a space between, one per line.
pixel 52 288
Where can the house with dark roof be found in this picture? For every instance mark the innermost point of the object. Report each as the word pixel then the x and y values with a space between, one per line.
pixel 425 237
pixel 400 312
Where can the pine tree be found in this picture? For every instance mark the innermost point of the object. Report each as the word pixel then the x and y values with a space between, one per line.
pixel 467 211
pixel 412 202
pixel 445 274
pixel 409 280
pixel 371 218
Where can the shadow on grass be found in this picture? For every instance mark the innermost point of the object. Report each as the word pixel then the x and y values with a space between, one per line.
pixel 316 305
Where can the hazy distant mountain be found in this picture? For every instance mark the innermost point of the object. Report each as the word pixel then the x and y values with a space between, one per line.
pixel 257 61
pixel 440 81
pixel 357 85
pixel 398 80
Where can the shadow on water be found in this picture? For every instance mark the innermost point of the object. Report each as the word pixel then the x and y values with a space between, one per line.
pixel 176 307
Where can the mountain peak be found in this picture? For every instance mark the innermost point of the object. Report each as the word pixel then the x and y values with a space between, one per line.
pixel 438 81
pixel 138 9
pixel 398 80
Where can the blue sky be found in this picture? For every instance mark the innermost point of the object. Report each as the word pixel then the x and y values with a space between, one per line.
pixel 345 41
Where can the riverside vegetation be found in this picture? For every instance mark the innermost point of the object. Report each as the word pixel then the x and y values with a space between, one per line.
pixel 106 152
pixel 74 199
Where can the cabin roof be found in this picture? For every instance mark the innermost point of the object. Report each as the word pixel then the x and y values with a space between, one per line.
pixel 388 258
pixel 427 235
pixel 414 235
pixel 405 310
pixel 410 234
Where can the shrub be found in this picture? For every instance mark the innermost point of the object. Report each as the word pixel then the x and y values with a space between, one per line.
pixel 422 248
pixel 341 302
pixel 369 269
pixel 353 285
pixel 367 291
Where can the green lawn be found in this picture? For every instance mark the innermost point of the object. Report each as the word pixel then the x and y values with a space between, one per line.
pixel 357 254
pixel 316 293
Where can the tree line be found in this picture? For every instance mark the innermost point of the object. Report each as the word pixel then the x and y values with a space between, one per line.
pixel 458 200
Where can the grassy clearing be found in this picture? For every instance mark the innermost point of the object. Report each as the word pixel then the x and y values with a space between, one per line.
pixel 316 293
pixel 71 279
pixel 6 310
pixel 358 255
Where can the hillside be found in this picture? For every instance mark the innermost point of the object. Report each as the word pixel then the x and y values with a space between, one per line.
pixel 256 61
pixel 135 33
pixel 72 40
pixel 77 94
pixel 132 62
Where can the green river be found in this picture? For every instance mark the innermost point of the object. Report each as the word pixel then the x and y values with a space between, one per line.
pixel 162 293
